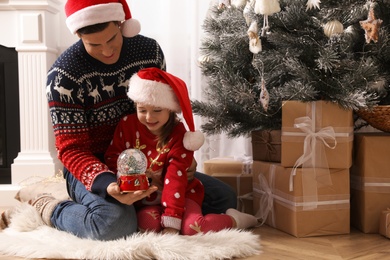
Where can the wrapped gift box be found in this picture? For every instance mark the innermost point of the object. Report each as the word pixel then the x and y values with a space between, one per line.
pixel 266 145
pixel 384 223
pixel 228 165
pixel 242 185
pixel 278 199
pixel 370 180
pixel 302 123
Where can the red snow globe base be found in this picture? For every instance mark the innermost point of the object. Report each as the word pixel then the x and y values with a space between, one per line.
pixel 132 165
pixel 134 182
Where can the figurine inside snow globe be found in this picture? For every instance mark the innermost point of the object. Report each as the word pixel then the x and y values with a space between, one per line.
pixel 132 165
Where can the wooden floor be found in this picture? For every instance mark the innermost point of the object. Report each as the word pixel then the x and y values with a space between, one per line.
pixel 279 245
pixel 356 245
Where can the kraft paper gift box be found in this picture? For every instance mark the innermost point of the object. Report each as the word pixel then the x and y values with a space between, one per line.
pixel 266 145
pixel 229 165
pixel 384 223
pixel 242 185
pixel 318 134
pixel 279 200
pixel 370 180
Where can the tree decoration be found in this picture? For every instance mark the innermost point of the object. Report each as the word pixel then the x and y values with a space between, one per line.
pixel 333 27
pixel 254 39
pixel 264 95
pixel 246 12
pixel 313 4
pixel 222 4
pixel 203 59
pixel 371 25
pixel 238 3
pixel 266 8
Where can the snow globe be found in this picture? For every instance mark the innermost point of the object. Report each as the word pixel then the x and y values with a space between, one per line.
pixel 132 165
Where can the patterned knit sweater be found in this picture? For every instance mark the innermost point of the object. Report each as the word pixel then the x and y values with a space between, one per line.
pixel 87 98
pixel 173 160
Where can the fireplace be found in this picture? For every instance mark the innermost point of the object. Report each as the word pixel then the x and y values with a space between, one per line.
pixel 9 112
pixel 31 37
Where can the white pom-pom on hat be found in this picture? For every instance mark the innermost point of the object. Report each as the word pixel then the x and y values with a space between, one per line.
pixel 158 88
pixel 193 140
pixel 82 13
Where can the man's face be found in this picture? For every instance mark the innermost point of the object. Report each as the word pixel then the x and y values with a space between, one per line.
pixel 105 46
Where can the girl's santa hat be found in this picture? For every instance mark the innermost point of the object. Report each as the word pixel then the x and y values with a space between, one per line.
pixel 82 13
pixel 158 88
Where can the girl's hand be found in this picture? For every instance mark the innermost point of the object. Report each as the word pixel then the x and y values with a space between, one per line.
pixel 128 198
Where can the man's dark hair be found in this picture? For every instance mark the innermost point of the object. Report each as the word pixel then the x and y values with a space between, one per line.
pixel 93 28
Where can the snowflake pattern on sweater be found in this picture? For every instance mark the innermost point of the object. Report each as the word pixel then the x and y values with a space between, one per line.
pixel 173 160
pixel 87 98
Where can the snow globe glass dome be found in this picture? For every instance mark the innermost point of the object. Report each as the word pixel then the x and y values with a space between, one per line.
pixel 131 166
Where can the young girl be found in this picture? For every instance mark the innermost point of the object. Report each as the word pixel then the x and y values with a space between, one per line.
pixel 157 131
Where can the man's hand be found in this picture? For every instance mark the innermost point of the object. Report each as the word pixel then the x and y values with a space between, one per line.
pixel 128 198
pixel 155 177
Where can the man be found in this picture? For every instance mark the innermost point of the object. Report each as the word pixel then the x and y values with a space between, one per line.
pixel 87 88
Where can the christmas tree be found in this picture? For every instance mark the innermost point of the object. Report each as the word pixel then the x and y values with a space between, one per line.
pixel 259 53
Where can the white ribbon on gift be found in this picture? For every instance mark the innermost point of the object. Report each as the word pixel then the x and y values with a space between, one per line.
pixel 312 155
pixel 270 196
pixel 266 204
pixel 240 198
pixel 240 201
pixel 310 148
pixel 370 184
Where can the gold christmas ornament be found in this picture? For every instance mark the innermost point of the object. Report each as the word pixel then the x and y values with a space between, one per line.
pixel 333 27
pixel 371 26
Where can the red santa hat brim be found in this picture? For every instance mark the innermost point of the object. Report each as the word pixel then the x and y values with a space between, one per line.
pixel 153 93
pixel 83 13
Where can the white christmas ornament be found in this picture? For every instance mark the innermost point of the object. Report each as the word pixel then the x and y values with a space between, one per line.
pixel 203 60
pixel 238 3
pixel 264 96
pixel 246 13
pixel 266 8
pixel 254 39
pixel 312 4
pixel 333 27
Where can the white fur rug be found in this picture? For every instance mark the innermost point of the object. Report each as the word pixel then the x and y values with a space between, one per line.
pixel 28 237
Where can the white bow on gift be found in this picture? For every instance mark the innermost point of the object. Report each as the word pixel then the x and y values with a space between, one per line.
pixel 266 204
pixel 313 157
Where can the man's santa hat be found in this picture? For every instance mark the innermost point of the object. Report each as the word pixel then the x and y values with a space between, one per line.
pixel 158 88
pixel 82 13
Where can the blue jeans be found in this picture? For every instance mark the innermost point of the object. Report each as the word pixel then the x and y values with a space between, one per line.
pixel 90 216
pixel 218 196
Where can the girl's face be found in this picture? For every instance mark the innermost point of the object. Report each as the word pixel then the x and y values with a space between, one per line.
pixel 105 46
pixel 154 118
